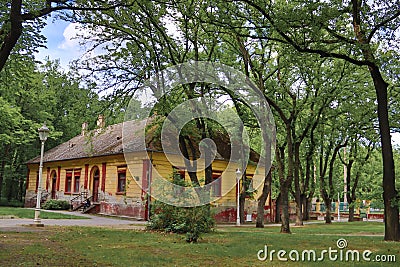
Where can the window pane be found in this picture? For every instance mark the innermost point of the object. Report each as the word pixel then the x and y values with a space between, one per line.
pixel 216 186
pixel 121 181
pixel 76 186
pixel 68 182
pixel 68 189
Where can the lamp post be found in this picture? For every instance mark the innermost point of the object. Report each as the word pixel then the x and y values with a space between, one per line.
pixel 43 134
pixel 238 176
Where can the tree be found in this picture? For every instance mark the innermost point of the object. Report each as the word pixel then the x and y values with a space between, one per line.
pixel 349 31
pixel 24 19
pixel 357 147
pixel 361 33
pixel 30 95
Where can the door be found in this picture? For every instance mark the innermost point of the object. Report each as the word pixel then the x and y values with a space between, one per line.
pixel 96 190
pixel 96 183
pixel 53 185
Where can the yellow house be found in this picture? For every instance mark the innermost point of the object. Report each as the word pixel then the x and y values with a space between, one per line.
pixel 94 166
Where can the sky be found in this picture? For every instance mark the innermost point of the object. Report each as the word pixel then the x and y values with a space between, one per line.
pixel 62 45
pixel 60 42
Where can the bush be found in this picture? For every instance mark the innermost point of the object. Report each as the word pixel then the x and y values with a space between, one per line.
pixel 190 221
pixel 54 204
pixel 11 203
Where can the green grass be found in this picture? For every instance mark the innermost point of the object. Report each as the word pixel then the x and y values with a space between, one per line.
pixel 226 246
pixel 24 213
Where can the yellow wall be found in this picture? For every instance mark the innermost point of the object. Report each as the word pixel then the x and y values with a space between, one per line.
pixel 112 164
pixel 162 167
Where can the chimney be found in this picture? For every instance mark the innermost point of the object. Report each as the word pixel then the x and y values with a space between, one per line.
pixel 85 127
pixel 101 122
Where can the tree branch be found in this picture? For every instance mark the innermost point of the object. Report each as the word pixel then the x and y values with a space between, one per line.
pixel 321 53
pixel 383 23
pixel 49 9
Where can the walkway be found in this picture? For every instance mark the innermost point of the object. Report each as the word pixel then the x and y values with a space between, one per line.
pixel 93 220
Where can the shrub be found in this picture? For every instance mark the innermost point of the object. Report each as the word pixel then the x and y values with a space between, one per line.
pixel 54 204
pixel 11 203
pixel 190 221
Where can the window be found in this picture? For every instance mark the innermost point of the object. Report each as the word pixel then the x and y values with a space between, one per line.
pixel 216 185
pixel 77 178
pixel 121 179
pixel 72 181
pixel 68 182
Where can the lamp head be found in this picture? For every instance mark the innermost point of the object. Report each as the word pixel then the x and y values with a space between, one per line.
pixel 238 173
pixel 43 133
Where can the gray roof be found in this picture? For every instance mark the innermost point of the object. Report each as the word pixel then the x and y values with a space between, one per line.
pixel 99 142
pixel 123 137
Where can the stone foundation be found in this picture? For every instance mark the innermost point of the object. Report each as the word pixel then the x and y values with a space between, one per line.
pixel 134 210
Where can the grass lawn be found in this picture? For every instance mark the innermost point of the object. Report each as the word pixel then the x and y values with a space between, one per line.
pixel 226 246
pixel 24 213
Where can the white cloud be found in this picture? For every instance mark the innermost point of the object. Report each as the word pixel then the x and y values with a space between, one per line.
pixel 71 39
pixel 396 139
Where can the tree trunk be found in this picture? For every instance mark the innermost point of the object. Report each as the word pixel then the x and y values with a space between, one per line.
pixel 285 227
pixel 349 197
pixel 351 212
pixel 392 227
pixel 21 188
pixel 11 38
pixel 297 193
pixel 304 207
pixel 263 198
pixel 267 182
pixel 2 167
pixel 285 184
pixel 284 190
pixel 328 205
pixel 309 206
pixel 242 201
pixel 277 218
pixel 10 188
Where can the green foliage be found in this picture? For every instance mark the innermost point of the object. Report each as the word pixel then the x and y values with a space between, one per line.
pixel 12 203
pixel 54 204
pixel 191 221
pixel 31 94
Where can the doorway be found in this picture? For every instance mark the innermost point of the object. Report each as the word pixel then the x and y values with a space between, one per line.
pixel 53 185
pixel 96 183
